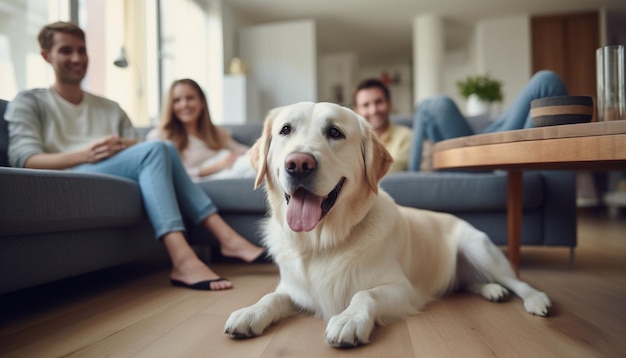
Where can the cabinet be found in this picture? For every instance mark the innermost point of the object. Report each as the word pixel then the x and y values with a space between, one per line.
pixel 566 44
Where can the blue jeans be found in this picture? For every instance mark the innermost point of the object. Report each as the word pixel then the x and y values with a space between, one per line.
pixel 439 118
pixel 168 193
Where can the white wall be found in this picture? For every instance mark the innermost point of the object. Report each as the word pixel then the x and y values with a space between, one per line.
pixel 343 71
pixel 401 92
pixel 457 65
pixel 504 49
pixel 281 52
pixel 216 44
pixel 337 77
pixel 428 53
pixel 232 21
pixel 241 102
pixel 499 47
pixel 283 62
pixel 444 53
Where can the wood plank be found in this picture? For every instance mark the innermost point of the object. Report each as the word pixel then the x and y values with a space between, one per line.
pixel 141 338
pixel 144 316
pixel 535 134
pixel 202 335
pixel 596 152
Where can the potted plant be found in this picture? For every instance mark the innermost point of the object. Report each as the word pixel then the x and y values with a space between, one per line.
pixel 480 92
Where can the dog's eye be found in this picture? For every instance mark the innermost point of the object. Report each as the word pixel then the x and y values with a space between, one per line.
pixel 286 129
pixel 335 133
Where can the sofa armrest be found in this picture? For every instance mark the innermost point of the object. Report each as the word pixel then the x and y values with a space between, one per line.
pixel 245 134
pixel 417 144
pixel 4 135
pixel 560 215
pixel 235 195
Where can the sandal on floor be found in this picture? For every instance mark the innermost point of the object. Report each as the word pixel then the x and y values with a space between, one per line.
pixel 202 285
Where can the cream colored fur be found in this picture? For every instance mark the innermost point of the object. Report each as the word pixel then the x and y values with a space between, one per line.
pixel 368 261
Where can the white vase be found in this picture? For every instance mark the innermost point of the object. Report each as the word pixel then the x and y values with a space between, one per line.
pixel 476 106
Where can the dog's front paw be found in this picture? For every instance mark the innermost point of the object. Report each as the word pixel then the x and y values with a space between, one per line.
pixel 538 304
pixel 349 329
pixel 246 323
pixel 494 292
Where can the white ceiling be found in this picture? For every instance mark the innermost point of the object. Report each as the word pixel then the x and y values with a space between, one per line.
pixel 378 29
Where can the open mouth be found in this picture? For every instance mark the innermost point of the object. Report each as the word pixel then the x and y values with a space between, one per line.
pixel 305 209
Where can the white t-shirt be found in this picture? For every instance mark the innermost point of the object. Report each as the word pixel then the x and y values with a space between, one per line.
pixel 198 155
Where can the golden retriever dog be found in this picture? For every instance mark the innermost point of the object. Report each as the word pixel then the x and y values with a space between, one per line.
pixel 346 251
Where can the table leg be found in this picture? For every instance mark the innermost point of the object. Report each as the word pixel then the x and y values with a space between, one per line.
pixel 514 217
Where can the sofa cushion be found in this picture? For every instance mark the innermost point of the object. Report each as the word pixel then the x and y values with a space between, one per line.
pixel 43 201
pixel 235 195
pixel 460 191
pixel 245 133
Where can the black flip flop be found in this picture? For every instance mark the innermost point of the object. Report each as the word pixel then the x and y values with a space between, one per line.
pixel 264 257
pixel 202 285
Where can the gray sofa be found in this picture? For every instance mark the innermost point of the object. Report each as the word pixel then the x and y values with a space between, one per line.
pixel 549 207
pixel 57 224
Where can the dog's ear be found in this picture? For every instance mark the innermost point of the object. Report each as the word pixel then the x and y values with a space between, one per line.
pixel 257 155
pixel 377 159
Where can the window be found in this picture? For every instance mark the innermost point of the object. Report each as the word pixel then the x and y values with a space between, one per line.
pixel 21 65
pixel 186 50
pixel 112 26
pixel 116 28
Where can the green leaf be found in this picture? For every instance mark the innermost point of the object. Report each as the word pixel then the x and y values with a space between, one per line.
pixel 485 87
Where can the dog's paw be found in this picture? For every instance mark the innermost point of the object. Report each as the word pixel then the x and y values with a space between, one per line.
pixel 538 304
pixel 247 323
pixel 494 292
pixel 349 329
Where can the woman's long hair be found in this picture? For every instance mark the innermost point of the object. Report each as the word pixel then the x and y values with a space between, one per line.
pixel 174 129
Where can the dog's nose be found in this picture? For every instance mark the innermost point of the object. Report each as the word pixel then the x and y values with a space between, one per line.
pixel 300 164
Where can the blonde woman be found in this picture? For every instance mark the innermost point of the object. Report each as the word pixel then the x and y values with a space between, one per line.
pixel 207 151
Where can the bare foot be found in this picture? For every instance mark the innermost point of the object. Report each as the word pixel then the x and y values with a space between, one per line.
pixel 241 248
pixel 193 271
pixel 231 243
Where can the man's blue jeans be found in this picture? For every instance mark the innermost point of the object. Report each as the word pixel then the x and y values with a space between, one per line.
pixel 439 118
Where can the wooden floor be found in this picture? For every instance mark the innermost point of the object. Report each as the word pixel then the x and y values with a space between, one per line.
pixel 133 312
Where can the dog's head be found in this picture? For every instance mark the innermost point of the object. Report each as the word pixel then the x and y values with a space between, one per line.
pixel 316 157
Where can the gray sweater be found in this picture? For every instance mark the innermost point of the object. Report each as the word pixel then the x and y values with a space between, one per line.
pixel 41 121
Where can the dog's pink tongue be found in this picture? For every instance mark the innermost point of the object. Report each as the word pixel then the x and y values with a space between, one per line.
pixel 304 210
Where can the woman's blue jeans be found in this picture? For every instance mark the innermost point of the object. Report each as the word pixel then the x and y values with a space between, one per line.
pixel 168 193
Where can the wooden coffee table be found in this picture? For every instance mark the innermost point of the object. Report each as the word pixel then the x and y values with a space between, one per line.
pixel 587 146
